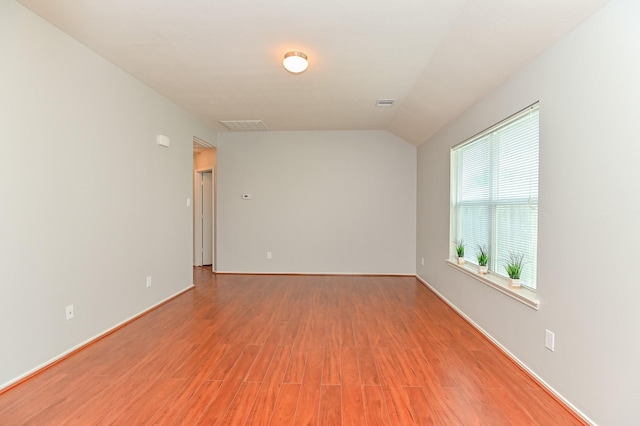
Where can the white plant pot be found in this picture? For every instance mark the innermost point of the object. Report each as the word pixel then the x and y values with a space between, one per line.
pixel 483 269
pixel 461 261
pixel 515 283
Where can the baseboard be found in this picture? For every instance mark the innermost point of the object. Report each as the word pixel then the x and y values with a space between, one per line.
pixel 317 274
pixel 55 360
pixel 579 415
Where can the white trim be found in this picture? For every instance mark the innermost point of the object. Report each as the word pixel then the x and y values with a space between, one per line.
pixel 382 274
pixel 522 294
pixel 202 143
pixel 90 340
pixel 508 353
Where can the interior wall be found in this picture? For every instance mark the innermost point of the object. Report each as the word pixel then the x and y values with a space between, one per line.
pixel 90 204
pixel 588 86
pixel 322 201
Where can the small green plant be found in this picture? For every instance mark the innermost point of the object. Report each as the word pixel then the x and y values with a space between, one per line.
pixel 483 255
pixel 514 265
pixel 459 248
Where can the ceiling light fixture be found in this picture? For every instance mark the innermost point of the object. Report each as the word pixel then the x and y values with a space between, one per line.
pixel 295 62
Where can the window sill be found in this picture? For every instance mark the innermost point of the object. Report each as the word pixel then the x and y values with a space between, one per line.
pixel 523 295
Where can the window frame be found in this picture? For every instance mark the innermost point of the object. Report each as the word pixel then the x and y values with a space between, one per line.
pixel 492 203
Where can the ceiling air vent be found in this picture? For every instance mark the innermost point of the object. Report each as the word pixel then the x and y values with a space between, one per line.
pixel 385 102
pixel 244 125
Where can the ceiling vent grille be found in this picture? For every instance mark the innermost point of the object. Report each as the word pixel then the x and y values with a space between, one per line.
pixel 244 125
pixel 385 102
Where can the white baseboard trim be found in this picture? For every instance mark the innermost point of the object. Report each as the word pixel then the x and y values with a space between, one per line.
pixel 515 359
pixel 88 341
pixel 370 274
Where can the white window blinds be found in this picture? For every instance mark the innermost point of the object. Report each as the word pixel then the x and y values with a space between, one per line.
pixel 494 193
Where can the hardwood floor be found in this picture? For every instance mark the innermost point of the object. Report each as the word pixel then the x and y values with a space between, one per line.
pixel 304 350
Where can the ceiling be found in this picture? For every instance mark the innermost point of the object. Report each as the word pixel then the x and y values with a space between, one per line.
pixel 222 59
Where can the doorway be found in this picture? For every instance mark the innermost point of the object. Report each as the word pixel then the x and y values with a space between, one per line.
pixel 204 205
pixel 206 218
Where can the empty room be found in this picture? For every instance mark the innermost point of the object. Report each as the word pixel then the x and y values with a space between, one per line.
pixel 356 213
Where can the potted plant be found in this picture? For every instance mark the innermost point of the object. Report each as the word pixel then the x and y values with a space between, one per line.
pixel 514 268
pixel 483 259
pixel 460 251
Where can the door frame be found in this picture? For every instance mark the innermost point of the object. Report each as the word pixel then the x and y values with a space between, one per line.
pixel 197 208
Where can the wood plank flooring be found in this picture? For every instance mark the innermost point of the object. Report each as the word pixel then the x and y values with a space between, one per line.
pixel 288 350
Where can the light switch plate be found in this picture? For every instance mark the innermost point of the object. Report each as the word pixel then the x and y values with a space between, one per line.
pixel 550 340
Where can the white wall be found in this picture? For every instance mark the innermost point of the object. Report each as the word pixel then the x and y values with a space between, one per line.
pixel 326 202
pixel 89 204
pixel 588 85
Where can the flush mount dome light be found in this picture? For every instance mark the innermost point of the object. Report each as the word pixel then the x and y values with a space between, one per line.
pixel 295 62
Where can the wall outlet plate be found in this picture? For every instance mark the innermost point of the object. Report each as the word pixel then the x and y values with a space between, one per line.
pixel 550 340
pixel 69 312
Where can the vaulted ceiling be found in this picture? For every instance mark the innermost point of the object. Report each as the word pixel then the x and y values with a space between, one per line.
pixel 222 59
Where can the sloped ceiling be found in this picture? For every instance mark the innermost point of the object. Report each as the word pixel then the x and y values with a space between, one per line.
pixel 222 59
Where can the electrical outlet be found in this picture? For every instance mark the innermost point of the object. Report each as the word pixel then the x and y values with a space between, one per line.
pixel 550 341
pixel 422 261
pixel 149 281
pixel 268 255
pixel 69 312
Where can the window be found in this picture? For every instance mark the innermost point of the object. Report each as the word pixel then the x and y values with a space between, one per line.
pixel 494 193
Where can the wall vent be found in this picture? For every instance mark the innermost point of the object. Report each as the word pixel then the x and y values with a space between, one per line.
pixel 244 125
pixel 385 102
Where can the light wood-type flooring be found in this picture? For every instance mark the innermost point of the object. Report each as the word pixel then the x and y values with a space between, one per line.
pixel 280 350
